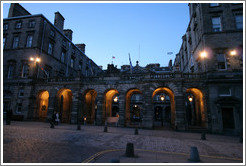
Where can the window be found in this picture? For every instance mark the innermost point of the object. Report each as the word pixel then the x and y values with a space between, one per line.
pixel 72 62
pixel 31 24
pixel 80 65
pixel 50 48
pixel 213 4
pixel 18 25
pixel 224 91
pixel 21 92
pixel 15 41
pixel 29 41
pixel 216 23
pixel 5 27
pixel 11 71
pixel 24 71
pixel 52 33
pixel 18 108
pixel 239 21
pixel 4 40
pixel 221 61
pixel 64 43
pixel 63 57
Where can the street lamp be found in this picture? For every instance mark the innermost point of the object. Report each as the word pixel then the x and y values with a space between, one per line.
pixel 203 56
pixel 35 62
pixel 233 52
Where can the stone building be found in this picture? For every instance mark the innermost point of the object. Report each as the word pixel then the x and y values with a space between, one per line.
pixel 213 44
pixel 196 93
pixel 34 48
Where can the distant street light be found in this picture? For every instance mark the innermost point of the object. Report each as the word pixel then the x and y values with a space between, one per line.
pixel 233 52
pixel 203 54
pixel 35 64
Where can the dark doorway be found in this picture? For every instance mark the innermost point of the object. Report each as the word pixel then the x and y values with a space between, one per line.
pixel 228 118
pixel 115 111
pixel 158 113
pixel 168 114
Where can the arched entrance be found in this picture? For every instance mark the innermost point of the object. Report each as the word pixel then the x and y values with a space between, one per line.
pixel 163 108
pixel 90 106
pixel 42 104
pixel 134 106
pixel 195 111
pixel 111 104
pixel 64 105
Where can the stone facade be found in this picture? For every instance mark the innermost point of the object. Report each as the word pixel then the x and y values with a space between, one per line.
pixel 187 96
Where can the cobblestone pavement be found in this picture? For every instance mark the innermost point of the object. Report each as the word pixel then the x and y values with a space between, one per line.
pixel 36 142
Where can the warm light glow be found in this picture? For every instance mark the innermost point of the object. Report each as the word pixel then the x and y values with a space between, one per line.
pixel 37 59
pixel 84 118
pixel 190 98
pixel 31 59
pixel 115 99
pixel 233 52
pixel 162 97
pixel 135 106
pixel 203 54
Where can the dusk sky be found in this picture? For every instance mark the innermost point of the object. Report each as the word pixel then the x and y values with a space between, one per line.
pixel 148 31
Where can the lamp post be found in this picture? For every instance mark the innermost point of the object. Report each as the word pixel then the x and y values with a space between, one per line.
pixel 35 65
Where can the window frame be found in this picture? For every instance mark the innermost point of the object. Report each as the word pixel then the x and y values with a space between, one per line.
pixel 24 70
pixel 225 62
pixel 213 25
pixel 18 108
pixel 15 42
pixel 28 41
pixel 18 25
pixel 214 5
pixel 11 69
pixel 5 26
pixel 50 48
pixel 31 24
pixel 21 92
pixel 236 23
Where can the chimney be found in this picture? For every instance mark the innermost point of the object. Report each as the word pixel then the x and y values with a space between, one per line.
pixel 59 21
pixel 16 10
pixel 81 47
pixel 68 33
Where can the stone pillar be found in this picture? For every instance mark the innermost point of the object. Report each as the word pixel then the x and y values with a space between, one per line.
pixel 122 109
pixel 180 113
pixel 147 120
pixel 52 102
pixel 100 118
pixel 74 111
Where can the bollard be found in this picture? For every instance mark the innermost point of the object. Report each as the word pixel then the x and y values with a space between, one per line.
pixel 105 129
pixel 203 136
pixel 194 154
pixel 136 131
pixel 115 161
pixel 129 150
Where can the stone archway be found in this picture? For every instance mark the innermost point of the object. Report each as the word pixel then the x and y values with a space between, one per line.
pixel 110 97
pixel 133 113
pixel 90 105
pixel 42 105
pixel 195 111
pixel 64 104
pixel 164 97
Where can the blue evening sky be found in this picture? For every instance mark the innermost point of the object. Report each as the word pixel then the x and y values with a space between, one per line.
pixel 148 31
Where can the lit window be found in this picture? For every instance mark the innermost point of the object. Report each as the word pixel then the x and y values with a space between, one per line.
pixel 24 72
pixel 50 48
pixel 239 21
pixel 31 24
pixel 29 41
pixel 63 57
pixel 213 4
pixel 5 27
pixel 221 60
pixel 18 25
pixel 216 23
pixel 11 71
pixel 15 42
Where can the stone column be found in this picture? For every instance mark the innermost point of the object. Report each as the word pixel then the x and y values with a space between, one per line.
pixel 122 109
pixel 147 120
pixel 75 107
pixel 180 113
pixel 52 102
pixel 100 118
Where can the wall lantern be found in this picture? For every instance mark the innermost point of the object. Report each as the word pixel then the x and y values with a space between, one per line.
pixel 116 99
pixel 190 98
pixel 162 97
